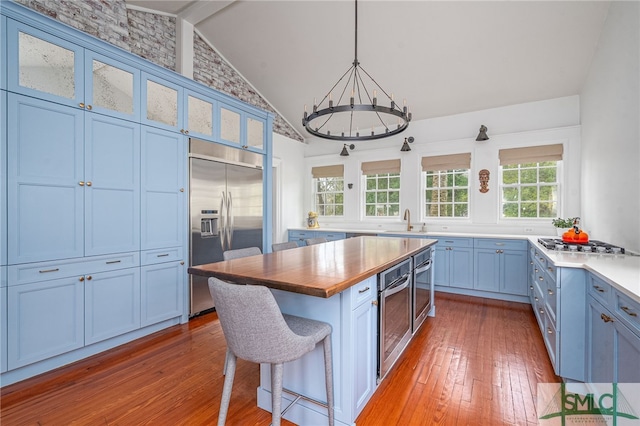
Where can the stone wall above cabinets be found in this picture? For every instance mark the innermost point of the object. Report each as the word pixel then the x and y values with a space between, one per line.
pixel 152 37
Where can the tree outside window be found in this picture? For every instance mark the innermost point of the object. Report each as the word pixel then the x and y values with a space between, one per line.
pixel 447 193
pixel 329 196
pixel 382 195
pixel 530 190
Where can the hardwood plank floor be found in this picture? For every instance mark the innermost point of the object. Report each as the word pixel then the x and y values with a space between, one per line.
pixel 476 363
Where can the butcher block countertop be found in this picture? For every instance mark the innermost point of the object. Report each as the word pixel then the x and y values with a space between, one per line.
pixel 321 270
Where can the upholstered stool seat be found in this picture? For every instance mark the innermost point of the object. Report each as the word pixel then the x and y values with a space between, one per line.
pixel 256 331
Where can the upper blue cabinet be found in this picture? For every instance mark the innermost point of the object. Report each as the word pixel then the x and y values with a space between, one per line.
pixel 51 68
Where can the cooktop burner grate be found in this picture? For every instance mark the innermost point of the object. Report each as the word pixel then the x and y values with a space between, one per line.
pixel 593 246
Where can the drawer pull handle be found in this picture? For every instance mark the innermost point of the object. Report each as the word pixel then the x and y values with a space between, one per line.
pixel 536 298
pixel 542 259
pixel 550 292
pixel 605 317
pixel 364 290
pixel 541 311
pixel 531 262
pixel 530 287
pixel 628 311
pixel 536 270
pixel 549 330
pixel 541 279
pixel 44 271
pixel 499 244
pixel 111 262
pixel 598 288
pixel 163 255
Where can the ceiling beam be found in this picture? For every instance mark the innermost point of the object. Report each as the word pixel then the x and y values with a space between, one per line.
pixel 199 11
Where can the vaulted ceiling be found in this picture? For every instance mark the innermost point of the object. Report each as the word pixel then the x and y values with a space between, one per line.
pixel 444 57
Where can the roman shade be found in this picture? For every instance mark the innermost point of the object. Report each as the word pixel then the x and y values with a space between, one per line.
pixel 531 154
pixel 328 171
pixel 384 166
pixel 447 162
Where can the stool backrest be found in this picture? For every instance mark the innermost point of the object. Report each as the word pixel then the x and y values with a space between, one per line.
pixel 284 246
pixel 253 324
pixel 243 252
pixel 312 241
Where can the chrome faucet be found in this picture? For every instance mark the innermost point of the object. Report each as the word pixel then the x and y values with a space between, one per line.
pixel 407 217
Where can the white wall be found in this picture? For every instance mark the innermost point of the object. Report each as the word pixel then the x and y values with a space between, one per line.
pixel 610 114
pixel 288 161
pixel 536 123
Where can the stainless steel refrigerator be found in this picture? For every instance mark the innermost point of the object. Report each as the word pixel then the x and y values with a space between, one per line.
pixel 225 208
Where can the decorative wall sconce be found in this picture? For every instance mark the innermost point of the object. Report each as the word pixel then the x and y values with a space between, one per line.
pixel 344 152
pixel 405 145
pixel 482 136
pixel 484 180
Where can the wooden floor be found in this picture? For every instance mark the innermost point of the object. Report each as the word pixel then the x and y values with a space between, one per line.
pixel 477 363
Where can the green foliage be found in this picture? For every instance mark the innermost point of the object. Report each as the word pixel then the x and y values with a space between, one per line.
pixel 563 223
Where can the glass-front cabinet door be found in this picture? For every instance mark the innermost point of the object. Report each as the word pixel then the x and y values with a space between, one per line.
pixel 230 124
pixel 44 66
pixel 111 88
pixel 199 120
pixel 256 132
pixel 161 103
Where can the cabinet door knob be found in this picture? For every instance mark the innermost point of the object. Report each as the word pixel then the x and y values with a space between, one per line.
pixel 541 279
pixel 541 311
pixel 89 277
pixel 606 318
pixel 186 132
pixel 81 279
pixel 181 189
pixel 374 302
pixel 497 251
pixel 81 183
pixel 182 263
pixel 89 107
pixel 550 292
pixel 81 104
pixel 549 330
pixel 628 311
pixel 182 131
pixel 89 184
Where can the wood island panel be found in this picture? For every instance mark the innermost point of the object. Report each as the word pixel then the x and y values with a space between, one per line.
pixel 321 270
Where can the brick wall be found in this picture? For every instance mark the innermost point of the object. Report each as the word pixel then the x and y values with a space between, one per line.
pixel 152 37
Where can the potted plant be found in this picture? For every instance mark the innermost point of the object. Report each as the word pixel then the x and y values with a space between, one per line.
pixel 562 224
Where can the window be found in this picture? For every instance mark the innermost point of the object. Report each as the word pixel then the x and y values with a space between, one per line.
pixel 529 181
pixel 446 179
pixel 328 190
pixel 382 188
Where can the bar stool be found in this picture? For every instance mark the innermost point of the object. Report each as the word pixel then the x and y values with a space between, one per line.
pixel 284 246
pixel 243 252
pixel 312 241
pixel 257 331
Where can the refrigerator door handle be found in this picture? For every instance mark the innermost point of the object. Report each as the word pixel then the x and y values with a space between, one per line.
pixel 223 222
pixel 230 224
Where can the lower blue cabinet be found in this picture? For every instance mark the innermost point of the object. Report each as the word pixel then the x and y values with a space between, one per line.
pixel 112 304
pixel 44 319
pixel 162 289
pixel 501 266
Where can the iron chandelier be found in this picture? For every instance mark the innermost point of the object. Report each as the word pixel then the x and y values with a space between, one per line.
pixel 358 119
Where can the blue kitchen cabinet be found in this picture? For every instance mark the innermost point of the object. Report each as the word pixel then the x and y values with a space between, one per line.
pixel 162 103
pixel 3 319
pixel 112 304
pixel 162 290
pixel 79 77
pixel 73 182
pixel 300 236
pixel 112 185
pixel 163 190
pixel 330 236
pixel 3 176
pixel 199 115
pixel 46 181
pixel 45 319
pixel 501 266
pixel 613 335
pixel 453 266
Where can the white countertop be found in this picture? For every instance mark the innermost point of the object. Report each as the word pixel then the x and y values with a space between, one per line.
pixel 621 271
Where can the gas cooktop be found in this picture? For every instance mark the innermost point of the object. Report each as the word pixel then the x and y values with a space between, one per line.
pixel 593 246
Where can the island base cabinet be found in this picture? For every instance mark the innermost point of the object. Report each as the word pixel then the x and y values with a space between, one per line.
pixel 353 318
pixel 44 319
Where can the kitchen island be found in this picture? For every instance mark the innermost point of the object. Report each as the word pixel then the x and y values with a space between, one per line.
pixel 334 282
